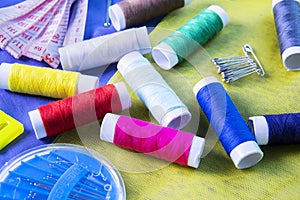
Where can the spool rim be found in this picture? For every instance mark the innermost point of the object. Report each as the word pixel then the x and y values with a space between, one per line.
pixel 164 56
pixel 117 17
pixel 4 75
pixel 291 58
pixel 246 155
pixel 260 129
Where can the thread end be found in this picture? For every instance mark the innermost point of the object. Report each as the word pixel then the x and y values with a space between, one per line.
pixel 124 95
pixel 221 12
pixel 164 56
pixel 246 155
pixel 117 17
pixel 196 152
pixel 37 124
pixel 4 75
pixel 291 58
pixel 204 82
pixel 107 130
pixel 86 83
pixel 259 127
pixel 177 118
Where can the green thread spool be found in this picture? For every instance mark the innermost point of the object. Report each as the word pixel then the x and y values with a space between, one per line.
pixel 185 40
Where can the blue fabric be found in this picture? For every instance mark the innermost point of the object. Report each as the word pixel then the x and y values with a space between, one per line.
pixel 18 105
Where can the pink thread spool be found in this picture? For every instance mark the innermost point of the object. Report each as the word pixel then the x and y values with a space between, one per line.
pixel 162 142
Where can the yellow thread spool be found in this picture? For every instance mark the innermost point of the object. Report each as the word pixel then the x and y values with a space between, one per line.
pixel 44 81
pixel 10 129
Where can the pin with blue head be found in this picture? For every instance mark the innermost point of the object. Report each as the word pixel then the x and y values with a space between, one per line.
pixel 60 172
pixel 228 124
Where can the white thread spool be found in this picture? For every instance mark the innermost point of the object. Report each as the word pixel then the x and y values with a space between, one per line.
pixel 84 82
pixel 159 98
pixel 104 50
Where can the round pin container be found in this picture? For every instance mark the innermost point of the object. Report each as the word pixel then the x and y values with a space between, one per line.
pixel 60 171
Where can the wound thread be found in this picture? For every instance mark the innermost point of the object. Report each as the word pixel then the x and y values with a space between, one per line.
pixel 138 12
pixel 185 40
pixel 66 114
pixel 276 129
pixel 154 92
pixel 287 17
pixel 104 50
pixel 232 131
pixel 42 81
pixel 162 142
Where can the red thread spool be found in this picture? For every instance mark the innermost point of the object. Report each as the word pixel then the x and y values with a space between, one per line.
pixel 162 142
pixel 66 114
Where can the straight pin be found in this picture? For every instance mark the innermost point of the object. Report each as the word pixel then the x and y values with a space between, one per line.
pixel 107 20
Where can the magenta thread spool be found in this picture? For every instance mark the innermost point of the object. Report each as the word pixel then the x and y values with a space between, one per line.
pixel 162 142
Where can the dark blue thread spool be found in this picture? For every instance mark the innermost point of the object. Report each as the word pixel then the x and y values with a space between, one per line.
pixel 276 129
pixel 287 21
pixel 231 129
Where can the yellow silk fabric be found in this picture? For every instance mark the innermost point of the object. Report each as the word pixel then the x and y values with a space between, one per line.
pixel 276 176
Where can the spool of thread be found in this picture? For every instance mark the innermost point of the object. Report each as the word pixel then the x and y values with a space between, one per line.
pixel 162 142
pixel 104 50
pixel 287 17
pixel 276 129
pixel 128 13
pixel 185 40
pixel 44 81
pixel 154 92
pixel 66 114
pixel 227 122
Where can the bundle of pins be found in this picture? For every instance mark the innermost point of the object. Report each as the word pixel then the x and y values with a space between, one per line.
pixel 235 67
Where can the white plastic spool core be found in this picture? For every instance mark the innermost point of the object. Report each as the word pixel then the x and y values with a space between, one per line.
pixel 260 129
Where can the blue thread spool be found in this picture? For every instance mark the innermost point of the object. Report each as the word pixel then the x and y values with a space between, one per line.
pixel 60 172
pixel 276 129
pixel 287 18
pixel 228 124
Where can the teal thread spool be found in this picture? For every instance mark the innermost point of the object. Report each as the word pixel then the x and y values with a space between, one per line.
pixel 185 40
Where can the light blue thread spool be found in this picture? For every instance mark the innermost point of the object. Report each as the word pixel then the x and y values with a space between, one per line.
pixel 155 93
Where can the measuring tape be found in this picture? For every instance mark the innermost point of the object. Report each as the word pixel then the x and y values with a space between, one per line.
pixel 38 28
